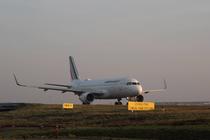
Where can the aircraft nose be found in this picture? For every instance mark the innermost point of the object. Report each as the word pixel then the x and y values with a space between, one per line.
pixel 140 90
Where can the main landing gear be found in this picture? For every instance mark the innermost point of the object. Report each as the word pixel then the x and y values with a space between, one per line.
pixel 118 102
pixel 86 103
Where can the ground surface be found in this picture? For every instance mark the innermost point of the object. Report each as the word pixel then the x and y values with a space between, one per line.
pixel 35 121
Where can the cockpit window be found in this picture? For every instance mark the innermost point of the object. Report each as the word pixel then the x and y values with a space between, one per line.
pixel 133 83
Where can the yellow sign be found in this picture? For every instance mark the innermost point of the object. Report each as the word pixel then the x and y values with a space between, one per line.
pixel 141 106
pixel 68 106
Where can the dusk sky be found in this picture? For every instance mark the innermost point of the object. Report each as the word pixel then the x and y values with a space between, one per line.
pixel 146 40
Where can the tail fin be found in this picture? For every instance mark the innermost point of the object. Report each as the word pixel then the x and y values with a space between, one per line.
pixel 73 69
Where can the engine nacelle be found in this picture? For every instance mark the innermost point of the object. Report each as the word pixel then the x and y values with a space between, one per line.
pixel 86 98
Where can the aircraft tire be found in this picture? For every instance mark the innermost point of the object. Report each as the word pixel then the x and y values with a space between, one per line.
pixel 118 103
pixel 140 98
pixel 86 103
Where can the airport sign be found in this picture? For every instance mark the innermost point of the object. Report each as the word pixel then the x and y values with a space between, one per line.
pixel 68 106
pixel 142 106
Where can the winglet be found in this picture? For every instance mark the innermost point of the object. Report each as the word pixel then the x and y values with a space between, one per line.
pixel 165 84
pixel 16 81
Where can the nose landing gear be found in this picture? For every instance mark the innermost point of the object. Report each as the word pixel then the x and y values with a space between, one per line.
pixel 118 102
pixel 86 103
pixel 138 98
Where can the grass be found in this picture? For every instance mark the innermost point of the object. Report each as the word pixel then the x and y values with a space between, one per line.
pixel 51 121
pixel 148 132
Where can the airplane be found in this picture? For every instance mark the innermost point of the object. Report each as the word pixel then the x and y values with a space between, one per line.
pixel 88 90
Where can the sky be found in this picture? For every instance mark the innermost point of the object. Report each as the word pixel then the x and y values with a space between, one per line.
pixel 147 40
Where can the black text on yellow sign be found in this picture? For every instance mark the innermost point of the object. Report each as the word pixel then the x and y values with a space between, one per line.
pixel 141 106
pixel 68 106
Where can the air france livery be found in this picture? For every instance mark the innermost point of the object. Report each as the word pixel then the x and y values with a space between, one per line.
pixel 88 89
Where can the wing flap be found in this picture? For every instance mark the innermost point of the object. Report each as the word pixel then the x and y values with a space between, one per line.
pixel 58 85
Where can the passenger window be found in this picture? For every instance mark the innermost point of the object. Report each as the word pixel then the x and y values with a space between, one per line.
pixel 133 83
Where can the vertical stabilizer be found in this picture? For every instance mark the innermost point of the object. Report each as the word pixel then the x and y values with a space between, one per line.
pixel 73 69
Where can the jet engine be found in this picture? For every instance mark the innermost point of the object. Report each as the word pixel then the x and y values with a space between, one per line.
pixel 86 98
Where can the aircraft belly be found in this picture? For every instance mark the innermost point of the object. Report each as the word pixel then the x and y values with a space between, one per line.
pixel 117 92
pixel 112 92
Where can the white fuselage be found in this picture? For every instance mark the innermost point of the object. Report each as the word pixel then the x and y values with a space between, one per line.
pixel 88 90
pixel 112 88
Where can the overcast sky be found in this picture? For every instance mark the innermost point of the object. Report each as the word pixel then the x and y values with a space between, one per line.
pixel 148 40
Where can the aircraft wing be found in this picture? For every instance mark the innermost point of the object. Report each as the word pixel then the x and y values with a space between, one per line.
pixel 58 85
pixel 156 90
pixel 63 90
